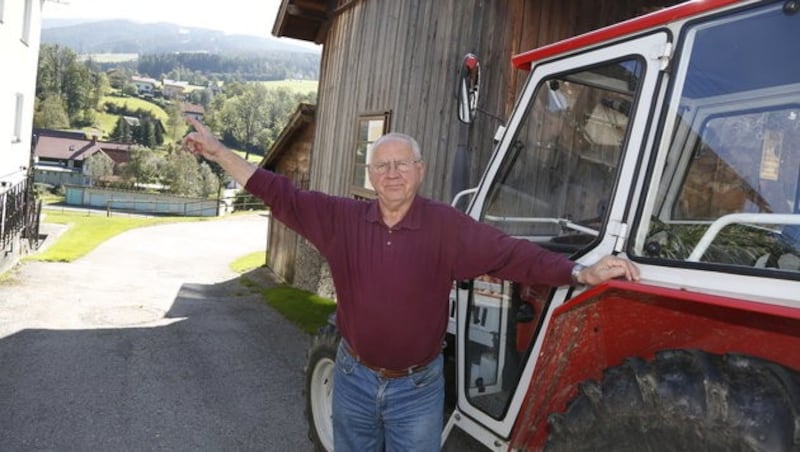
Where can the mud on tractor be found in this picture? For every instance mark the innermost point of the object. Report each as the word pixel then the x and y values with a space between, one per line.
pixel 672 139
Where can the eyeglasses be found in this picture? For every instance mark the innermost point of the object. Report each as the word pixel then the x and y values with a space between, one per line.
pixel 402 166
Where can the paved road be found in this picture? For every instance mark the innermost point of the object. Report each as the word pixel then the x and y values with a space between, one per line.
pixel 149 343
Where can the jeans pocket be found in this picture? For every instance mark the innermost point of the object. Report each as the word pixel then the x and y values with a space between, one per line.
pixel 345 363
pixel 429 374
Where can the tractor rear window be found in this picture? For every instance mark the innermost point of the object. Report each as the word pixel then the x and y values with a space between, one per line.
pixel 729 193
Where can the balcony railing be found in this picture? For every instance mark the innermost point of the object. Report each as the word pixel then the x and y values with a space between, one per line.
pixel 19 215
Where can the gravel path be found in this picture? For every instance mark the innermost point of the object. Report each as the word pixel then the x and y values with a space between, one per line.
pixel 150 343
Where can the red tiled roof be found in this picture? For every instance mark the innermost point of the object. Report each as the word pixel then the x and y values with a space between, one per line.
pixel 193 108
pixel 58 148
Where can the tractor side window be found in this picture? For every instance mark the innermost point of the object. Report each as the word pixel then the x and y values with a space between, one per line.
pixel 730 190
pixel 556 185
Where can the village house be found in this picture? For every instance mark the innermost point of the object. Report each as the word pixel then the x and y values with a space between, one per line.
pixel 173 89
pixel 20 30
pixel 193 110
pixel 393 67
pixel 144 85
pixel 60 156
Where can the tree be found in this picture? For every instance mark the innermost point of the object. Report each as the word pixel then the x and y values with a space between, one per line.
pixel 129 89
pixel 98 166
pixel 176 125
pixel 102 88
pixel 50 113
pixel 247 114
pixel 209 182
pixel 180 174
pixel 60 73
pixel 122 131
pixel 143 166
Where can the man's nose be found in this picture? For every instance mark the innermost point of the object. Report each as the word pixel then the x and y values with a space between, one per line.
pixel 392 168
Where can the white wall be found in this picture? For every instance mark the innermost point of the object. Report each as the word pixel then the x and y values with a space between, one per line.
pixel 20 30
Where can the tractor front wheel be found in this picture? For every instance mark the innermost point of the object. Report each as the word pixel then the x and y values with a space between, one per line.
pixel 685 400
pixel 319 387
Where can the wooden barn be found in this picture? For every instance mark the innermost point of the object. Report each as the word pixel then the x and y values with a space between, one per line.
pixel 393 66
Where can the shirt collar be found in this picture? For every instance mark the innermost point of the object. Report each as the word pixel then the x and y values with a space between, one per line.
pixel 412 220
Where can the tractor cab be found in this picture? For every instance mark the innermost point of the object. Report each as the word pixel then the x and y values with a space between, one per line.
pixel 674 139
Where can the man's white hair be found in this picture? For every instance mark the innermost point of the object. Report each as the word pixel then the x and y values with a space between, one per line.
pixel 395 136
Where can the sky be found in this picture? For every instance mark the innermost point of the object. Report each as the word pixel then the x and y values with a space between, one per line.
pixel 250 17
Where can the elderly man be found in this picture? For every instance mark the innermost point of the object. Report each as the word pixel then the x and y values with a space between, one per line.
pixel 393 261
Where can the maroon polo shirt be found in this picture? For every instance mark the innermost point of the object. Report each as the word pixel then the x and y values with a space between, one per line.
pixel 392 284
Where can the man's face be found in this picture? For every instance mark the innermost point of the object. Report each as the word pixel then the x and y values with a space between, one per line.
pixel 399 183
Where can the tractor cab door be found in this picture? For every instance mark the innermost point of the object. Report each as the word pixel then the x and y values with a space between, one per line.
pixel 564 177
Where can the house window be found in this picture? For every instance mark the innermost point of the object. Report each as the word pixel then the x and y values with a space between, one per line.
pixel 17 134
pixel 370 128
pixel 26 21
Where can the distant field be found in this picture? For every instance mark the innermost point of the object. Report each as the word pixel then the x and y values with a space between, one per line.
pixel 253 158
pixel 110 57
pixel 301 86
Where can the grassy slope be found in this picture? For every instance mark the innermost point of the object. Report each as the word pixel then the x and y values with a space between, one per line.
pixel 106 122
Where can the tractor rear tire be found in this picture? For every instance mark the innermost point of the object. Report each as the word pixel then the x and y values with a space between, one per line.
pixel 320 363
pixel 684 400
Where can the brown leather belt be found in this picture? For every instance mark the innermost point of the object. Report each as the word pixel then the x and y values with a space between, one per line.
pixel 380 371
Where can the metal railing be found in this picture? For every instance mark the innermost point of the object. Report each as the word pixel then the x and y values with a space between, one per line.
pixel 19 215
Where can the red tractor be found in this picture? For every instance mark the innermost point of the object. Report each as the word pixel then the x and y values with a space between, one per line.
pixel 673 139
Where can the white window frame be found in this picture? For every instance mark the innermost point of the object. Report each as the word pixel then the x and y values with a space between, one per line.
pixel 16 136
pixel 377 124
pixel 26 21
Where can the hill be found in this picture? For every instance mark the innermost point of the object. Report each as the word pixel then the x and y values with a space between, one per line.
pixel 125 36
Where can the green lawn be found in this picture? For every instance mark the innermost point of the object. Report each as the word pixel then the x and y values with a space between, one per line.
pixel 307 310
pixel 249 262
pixel 135 103
pixel 106 122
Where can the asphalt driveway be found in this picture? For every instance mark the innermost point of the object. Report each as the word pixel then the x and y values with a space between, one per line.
pixel 150 343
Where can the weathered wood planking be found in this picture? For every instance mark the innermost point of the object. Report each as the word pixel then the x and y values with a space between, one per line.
pixel 403 57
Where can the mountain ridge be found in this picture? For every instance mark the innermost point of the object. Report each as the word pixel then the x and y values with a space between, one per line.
pixel 127 36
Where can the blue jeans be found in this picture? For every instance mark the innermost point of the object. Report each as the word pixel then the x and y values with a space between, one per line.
pixel 371 413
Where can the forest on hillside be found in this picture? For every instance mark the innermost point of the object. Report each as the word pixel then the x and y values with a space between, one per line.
pixel 188 66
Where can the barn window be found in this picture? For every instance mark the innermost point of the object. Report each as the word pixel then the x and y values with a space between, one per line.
pixel 370 128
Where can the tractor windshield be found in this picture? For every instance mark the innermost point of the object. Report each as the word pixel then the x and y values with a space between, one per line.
pixel 729 190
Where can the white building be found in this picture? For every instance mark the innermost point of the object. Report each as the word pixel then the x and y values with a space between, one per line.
pixel 144 85
pixel 20 30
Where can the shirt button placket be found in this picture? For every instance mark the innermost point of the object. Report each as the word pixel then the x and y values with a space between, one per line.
pixel 389 242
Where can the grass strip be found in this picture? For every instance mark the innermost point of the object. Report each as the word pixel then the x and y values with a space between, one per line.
pixel 249 262
pixel 307 310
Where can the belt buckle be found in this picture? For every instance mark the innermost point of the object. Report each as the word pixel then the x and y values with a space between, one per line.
pixel 389 373
pixel 380 371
